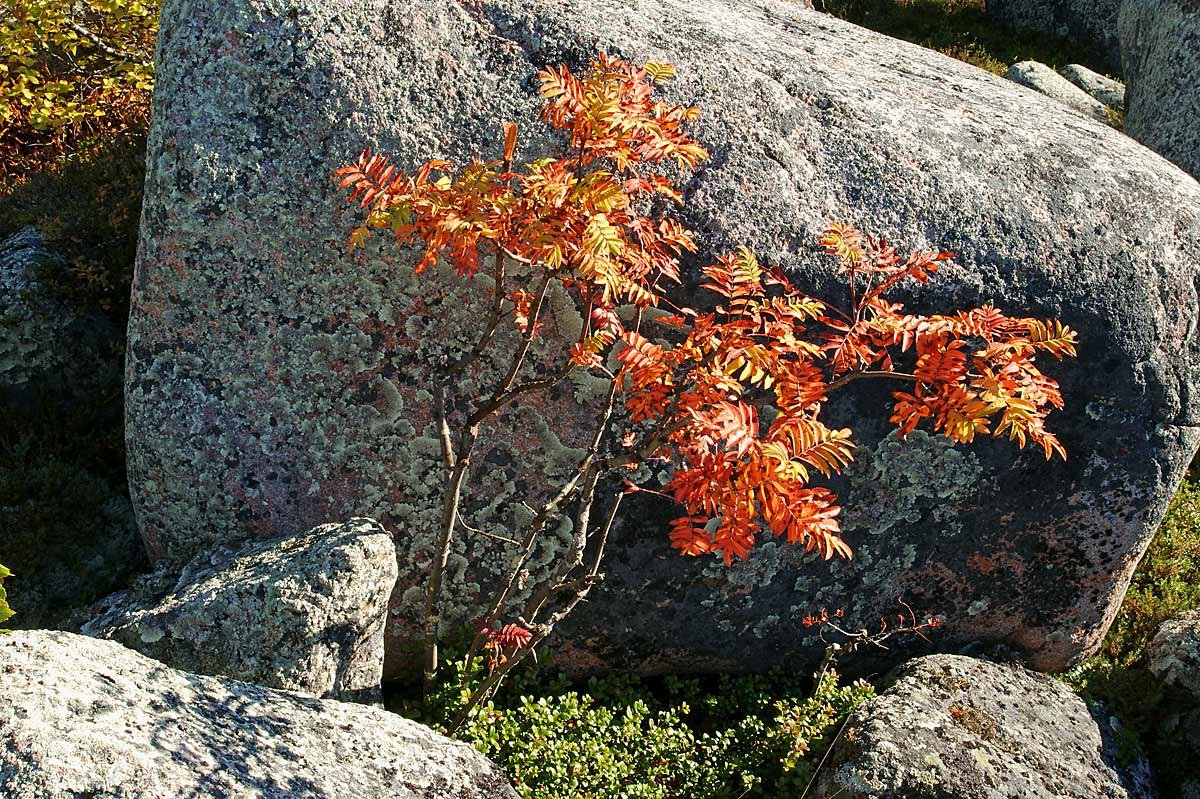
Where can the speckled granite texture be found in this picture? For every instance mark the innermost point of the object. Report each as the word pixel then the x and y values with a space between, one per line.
pixel 276 382
pixel 958 727
pixel 304 614
pixel 84 717
pixel 1160 40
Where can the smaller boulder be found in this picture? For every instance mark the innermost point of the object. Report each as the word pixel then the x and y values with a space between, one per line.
pixel 303 614
pixel 1174 653
pixel 45 345
pixel 1103 88
pixel 85 717
pixel 956 726
pixel 1173 656
pixel 1043 79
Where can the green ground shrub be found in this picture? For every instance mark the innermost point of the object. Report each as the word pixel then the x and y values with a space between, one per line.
pixel 694 738
pixel 6 612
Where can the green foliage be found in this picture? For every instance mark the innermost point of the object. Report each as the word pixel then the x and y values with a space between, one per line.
pixel 1166 583
pixel 6 612
pixel 71 72
pixel 960 29
pixel 700 738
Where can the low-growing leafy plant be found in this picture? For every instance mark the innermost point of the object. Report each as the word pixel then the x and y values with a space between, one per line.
pixel 700 738
pixel 731 397
pixel 6 612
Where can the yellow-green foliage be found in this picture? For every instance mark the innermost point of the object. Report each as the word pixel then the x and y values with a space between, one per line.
pixel 6 612
pixel 71 72
pixel 1166 583
pixel 961 29
pixel 86 204
pixel 730 737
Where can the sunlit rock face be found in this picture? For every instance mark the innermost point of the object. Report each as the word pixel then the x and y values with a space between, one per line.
pixel 276 382
pixel 85 717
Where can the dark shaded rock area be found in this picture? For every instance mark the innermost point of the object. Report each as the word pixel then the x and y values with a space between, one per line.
pixel 1089 23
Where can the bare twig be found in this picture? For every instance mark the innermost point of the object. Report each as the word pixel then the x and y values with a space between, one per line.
pixel 850 377
pixel 101 45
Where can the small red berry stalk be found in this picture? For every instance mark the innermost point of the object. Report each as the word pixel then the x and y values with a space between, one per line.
pixel 732 397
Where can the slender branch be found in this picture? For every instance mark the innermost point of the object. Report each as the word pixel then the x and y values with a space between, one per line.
pixel 567 561
pixel 462 523
pixel 439 408
pixel 586 473
pixel 500 396
pixel 441 555
pixel 850 377
pixel 498 276
pixel 101 45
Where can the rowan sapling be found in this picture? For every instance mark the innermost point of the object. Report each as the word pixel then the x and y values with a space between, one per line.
pixel 730 397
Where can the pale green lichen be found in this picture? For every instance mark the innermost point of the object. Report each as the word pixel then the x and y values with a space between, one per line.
pixel 910 480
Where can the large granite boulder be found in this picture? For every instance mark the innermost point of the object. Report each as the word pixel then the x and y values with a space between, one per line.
pixel 276 382
pixel 305 614
pixel 1086 23
pixel 1160 40
pixel 956 726
pixel 85 717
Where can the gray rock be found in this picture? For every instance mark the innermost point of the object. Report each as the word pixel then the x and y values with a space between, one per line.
pixel 1043 79
pixel 1103 88
pixel 1174 653
pixel 305 614
pixel 276 381
pixel 44 343
pixel 68 531
pixel 956 726
pixel 84 717
pixel 1086 23
pixel 1161 43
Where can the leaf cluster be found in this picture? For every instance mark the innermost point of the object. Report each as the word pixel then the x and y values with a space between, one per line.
pixel 708 738
pixel 70 72
pixel 731 398
pixel 6 612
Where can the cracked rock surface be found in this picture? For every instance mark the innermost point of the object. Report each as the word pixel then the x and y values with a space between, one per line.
pixel 85 717
pixel 956 726
pixel 276 381
pixel 304 614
